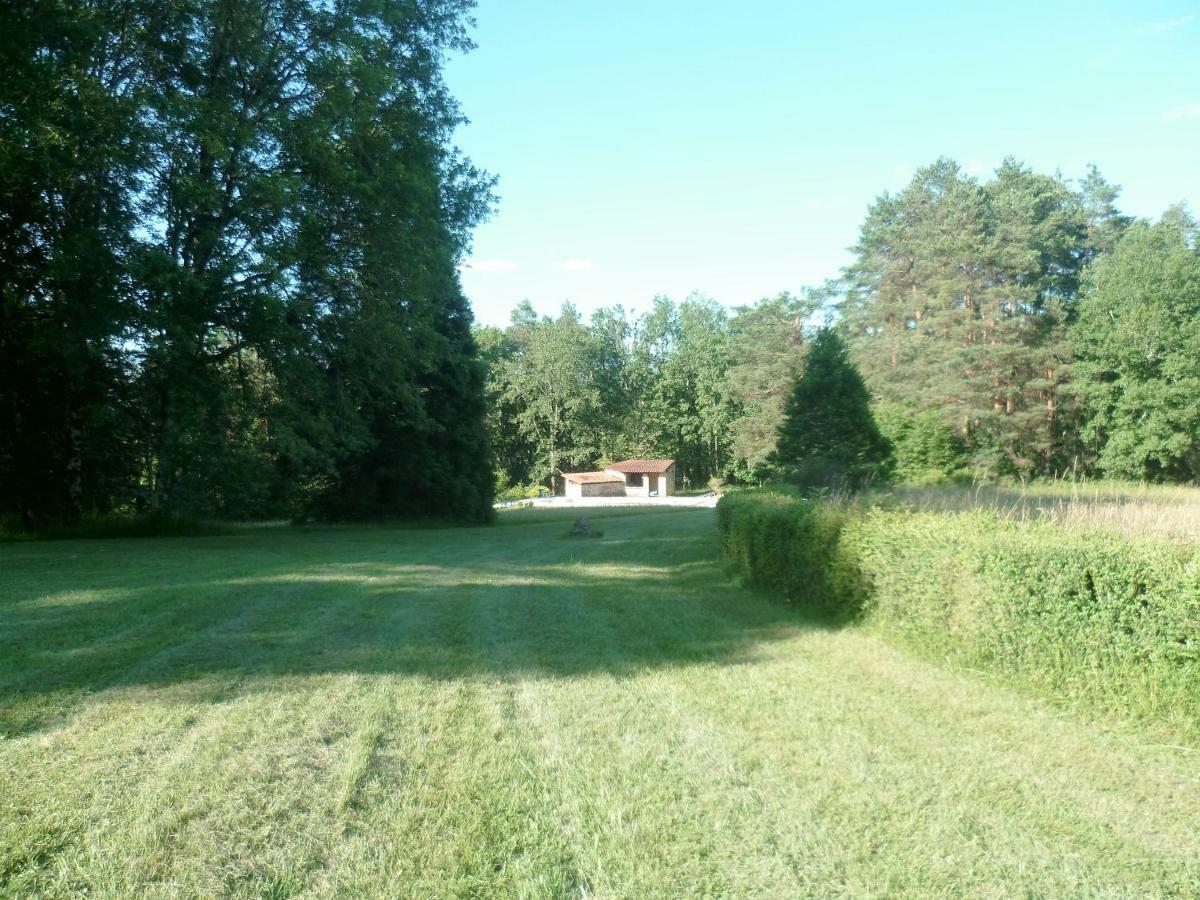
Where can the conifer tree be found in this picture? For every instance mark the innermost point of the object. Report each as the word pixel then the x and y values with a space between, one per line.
pixel 958 300
pixel 828 435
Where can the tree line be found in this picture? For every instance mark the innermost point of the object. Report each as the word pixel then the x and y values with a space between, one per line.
pixel 1020 325
pixel 685 380
pixel 229 233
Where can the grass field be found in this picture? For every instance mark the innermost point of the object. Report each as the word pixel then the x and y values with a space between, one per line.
pixel 506 712
pixel 1130 510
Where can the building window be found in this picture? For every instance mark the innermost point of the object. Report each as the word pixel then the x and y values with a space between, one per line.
pixel 634 479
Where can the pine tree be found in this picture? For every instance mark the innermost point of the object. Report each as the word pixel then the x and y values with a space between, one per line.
pixel 958 299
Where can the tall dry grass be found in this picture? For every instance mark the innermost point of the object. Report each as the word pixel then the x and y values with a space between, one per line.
pixel 1131 510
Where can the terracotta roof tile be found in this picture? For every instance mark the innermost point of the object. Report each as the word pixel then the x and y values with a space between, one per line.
pixel 646 466
pixel 592 478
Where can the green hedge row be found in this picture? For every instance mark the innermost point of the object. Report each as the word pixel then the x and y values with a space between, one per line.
pixel 791 547
pixel 1090 617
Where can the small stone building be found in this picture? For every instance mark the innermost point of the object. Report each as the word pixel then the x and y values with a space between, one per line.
pixel 628 478
pixel 594 484
pixel 646 477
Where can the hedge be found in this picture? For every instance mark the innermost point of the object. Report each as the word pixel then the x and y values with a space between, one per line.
pixel 1093 618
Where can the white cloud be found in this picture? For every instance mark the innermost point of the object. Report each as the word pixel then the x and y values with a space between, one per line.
pixel 489 265
pixel 1166 25
pixel 575 265
pixel 1182 112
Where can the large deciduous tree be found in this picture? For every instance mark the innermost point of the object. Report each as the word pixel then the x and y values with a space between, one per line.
pixel 229 235
pixel 70 154
pixel 1138 343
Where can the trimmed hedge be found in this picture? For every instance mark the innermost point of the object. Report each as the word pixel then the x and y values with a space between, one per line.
pixel 1109 623
pixel 792 548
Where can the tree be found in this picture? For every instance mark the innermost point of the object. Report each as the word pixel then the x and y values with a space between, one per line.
pixel 70 152
pixel 828 434
pixel 687 348
pixel 1137 340
pixel 1105 222
pixel 551 381
pixel 766 352
pixel 228 243
pixel 958 298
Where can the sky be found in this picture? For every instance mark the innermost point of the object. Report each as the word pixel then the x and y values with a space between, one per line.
pixel 664 147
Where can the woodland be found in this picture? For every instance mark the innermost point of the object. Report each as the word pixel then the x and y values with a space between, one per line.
pixel 1016 326
pixel 230 239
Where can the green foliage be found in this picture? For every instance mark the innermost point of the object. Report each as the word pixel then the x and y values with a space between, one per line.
pixel 792 547
pixel 70 150
pixel 925 447
pixel 227 262
pixel 962 310
pixel 565 394
pixel 1110 623
pixel 1137 340
pixel 828 435
pixel 1105 621
pixel 958 297
pixel 546 374
pixel 766 352
pixel 684 352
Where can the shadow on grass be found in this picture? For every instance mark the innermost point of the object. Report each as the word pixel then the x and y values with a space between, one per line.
pixel 448 607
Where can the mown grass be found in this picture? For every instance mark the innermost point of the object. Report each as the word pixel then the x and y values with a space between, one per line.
pixel 507 712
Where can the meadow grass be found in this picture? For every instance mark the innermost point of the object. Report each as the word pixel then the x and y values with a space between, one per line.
pixel 1128 509
pixel 506 712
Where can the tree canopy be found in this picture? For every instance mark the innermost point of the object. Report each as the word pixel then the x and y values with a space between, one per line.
pixel 1137 338
pixel 227 248
pixel 1019 324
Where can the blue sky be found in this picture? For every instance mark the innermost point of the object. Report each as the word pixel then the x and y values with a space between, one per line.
pixel 665 147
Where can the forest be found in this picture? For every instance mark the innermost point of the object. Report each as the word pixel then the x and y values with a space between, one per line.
pixel 228 244
pixel 1015 326
pixel 229 288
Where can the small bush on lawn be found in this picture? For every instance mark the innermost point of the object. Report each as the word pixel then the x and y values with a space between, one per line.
pixel 1094 618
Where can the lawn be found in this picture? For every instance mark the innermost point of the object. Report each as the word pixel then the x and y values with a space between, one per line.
pixel 507 712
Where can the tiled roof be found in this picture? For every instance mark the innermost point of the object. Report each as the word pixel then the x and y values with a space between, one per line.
pixel 647 466
pixel 591 477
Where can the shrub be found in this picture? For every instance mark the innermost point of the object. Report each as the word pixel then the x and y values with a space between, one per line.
pixel 790 546
pixel 1105 622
